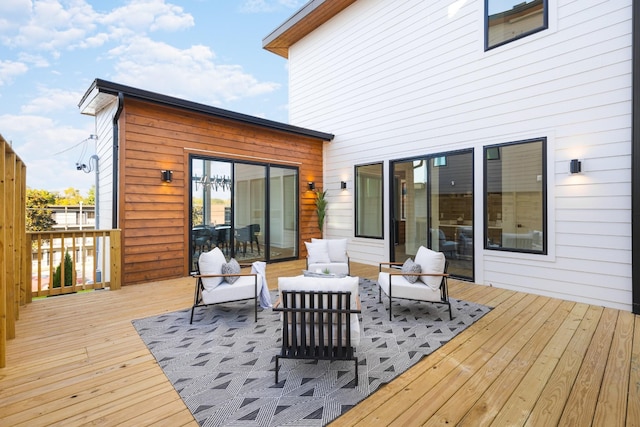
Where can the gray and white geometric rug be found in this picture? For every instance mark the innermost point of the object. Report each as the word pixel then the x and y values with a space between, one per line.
pixel 223 364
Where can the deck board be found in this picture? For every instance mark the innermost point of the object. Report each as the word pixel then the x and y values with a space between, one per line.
pixel 77 360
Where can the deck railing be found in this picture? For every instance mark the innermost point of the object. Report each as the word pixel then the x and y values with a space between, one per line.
pixel 13 187
pixel 71 261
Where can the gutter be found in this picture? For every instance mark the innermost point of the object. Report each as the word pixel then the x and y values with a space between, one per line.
pixel 635 158
pixel 115 180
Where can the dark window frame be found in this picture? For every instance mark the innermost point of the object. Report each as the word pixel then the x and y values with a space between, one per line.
pixel 544 26
pixel 357 203
pixel 544 208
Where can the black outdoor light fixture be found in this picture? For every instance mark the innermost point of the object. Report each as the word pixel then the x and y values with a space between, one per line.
pixel 343 185
pixel 167 175
pixel 575 166
pixel 312 185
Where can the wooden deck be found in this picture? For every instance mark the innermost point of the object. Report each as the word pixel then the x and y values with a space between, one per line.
pixel 77 360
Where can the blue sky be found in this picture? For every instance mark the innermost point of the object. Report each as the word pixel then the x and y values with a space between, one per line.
pixel 208 51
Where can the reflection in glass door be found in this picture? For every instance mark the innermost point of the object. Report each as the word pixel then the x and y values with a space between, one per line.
pixel 249 207
pixel 283 212
pixel 409 208
pixel 248 210
pixel 211 184
pixel 432 205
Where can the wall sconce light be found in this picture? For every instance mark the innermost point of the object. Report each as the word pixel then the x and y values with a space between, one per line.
pixel 312 185
pixel 167 175
pixel 575 166
pixel 343 185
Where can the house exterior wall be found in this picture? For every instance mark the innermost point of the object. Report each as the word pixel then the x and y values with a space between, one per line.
pixel 393 80
pixel 153 215
pixel 104 151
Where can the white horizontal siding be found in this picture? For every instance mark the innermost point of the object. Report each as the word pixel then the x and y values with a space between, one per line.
pixel 104 130
pixel 398 79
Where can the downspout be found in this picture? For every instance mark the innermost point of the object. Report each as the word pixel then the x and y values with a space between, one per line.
pixel 116 118
pixel 635 158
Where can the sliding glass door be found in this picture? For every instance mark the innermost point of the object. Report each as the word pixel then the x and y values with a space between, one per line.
pixel 432 206
pixel 249 203
pixel 283 213
pixel 248 210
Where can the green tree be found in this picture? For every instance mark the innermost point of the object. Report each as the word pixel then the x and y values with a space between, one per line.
pixel 68 272
pixel 91 196
pixel 39 217
pixel 70 197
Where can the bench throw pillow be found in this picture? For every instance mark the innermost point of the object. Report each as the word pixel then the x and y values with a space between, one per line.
pixel 211 263
pixel 231 267
pixel 411 267
pixel 430 262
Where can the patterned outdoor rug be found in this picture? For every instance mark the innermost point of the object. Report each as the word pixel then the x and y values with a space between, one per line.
pixel 223 364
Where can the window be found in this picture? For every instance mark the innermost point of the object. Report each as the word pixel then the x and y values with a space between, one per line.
pixel 508 20
pixel 515 197
pixel 368 196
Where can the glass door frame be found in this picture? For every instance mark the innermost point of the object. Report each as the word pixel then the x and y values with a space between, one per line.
pixel 233 248
pixel 393 197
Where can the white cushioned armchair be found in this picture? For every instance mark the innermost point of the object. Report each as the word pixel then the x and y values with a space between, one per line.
pixel 422 280
pixel 328 255
pixel 218 281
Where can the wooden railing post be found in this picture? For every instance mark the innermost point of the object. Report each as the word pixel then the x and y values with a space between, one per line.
pixel 3 262
pixel 12 239
pixel 116 259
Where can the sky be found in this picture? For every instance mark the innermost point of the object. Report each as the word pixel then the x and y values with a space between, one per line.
pixel 207 51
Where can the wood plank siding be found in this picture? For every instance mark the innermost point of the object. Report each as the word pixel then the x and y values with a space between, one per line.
pixel 154 215
pixel 531 361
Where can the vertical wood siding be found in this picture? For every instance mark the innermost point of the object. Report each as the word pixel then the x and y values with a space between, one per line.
pixel 154 215
pixel 398 79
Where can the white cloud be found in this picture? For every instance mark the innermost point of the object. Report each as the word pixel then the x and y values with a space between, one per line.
pixel 11 69
pixel 13 13
pixel 153 15
pixel 189 73
pixel 50 100
pixel 266 6
pixel 50 25
pixel 35 60
pixel 49 150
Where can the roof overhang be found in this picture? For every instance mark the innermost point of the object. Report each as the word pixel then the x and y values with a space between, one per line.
pixel 102 93
pixel 303 22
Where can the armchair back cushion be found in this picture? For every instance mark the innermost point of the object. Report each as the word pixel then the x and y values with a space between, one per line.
pixel 430 262
pixel 318 252
pixel 337 249
pixel 211 263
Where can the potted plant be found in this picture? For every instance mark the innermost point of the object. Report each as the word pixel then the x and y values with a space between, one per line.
pixel 321 208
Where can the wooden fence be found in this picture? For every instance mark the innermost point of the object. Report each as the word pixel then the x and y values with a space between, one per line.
pixel 18 282
pixel 13 261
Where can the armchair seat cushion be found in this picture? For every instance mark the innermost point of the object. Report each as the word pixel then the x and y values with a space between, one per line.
pixel 243 288
pixel 402 288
